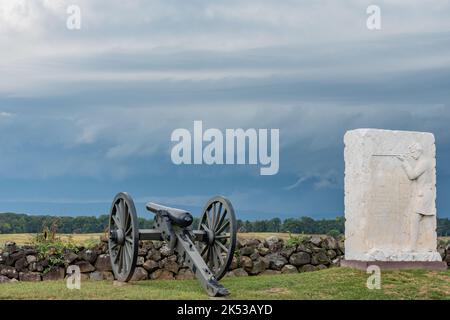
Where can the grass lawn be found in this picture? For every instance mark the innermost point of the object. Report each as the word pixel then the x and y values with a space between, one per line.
pixel 334 283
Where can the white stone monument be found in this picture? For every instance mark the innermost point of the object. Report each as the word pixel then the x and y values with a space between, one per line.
pixel 390 192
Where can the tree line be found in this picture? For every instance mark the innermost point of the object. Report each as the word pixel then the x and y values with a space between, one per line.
pixel 23 223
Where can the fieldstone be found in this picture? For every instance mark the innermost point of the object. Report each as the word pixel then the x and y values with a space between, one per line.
pixel 140 261
pixel 30 276
pixel 336 262
pixel 165 251
pixel 316 240
pixel 139 274
pixel 150 265
pixel 154 255
pixel 103 263
pixel 230 274
pixel 142 252
pixel 31 259
pixel 332 254
pixel 441 251
pixel 10 247
pixel 147 246
pixel 246 251
pixel 84 276
pixel 321 267
pixel 4 279
pixel 88 255
pixel 55 273
pixel 13 257
pixel 274 243
pixel 250 242
pixel 21 264
pixel 234 263
pixel 258 267
pixel 286 252
pixel 13 280
pixel 320 257
pixel 185 274
pixel 161 274
pixel 276 261
pixel 240 272
pixel 171 266
pixel 10 272
pixel 96 276
pixel 330 243
pixel 85 266
pixel 70 257
pixel 157 244
pixel 307 268
pixel 303 248
pixel 33 266
pixel 29 251
pixel 300 258
pixel 272 240
pixel 263 251
pixel 289 268
pixel 254 255
pixel 246 263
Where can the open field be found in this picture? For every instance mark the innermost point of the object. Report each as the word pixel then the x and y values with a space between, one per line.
pixel 26 238
pixel 334 283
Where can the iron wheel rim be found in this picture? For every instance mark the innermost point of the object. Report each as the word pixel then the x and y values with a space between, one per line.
pixel 219 221
pixel 123 248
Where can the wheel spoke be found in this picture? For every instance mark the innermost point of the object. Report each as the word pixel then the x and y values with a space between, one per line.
pixel 122 212
pixel 129 240
pixel 219 217
pixel 215 258
pixel 223 236
pixel 222 228
pixel 204 250
pixel 218 256
pixel 116 220
pixel 222 246
pixel 222 218
pixel 116 257
pixel 213 222
pixel 208 217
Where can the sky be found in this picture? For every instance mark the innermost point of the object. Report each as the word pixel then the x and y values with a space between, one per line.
pixel 87 113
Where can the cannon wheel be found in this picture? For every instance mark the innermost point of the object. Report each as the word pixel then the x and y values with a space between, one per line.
pixel 219 222
pixel 123 240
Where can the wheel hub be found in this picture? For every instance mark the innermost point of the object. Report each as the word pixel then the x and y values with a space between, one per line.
pixel 117 236
pixel 211 236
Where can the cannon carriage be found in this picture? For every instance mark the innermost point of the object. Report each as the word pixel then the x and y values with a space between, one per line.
pixel 207 251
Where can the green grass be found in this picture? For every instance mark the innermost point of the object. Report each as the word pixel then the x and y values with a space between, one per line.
pixel 334 283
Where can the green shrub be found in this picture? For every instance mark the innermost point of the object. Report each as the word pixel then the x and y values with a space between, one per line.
pixel 294 241
pixel 53 248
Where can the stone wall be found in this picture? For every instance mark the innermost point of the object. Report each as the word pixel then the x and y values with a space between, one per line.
pixel 155 261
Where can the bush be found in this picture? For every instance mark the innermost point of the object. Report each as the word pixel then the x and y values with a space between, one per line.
pixel 294 241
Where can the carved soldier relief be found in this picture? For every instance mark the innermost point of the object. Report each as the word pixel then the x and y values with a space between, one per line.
pixel 390 193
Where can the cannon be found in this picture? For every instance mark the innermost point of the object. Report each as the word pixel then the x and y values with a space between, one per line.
pixel 207 250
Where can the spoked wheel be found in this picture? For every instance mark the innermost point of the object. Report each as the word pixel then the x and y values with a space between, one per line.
pixel 219 222
pixel 123 240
